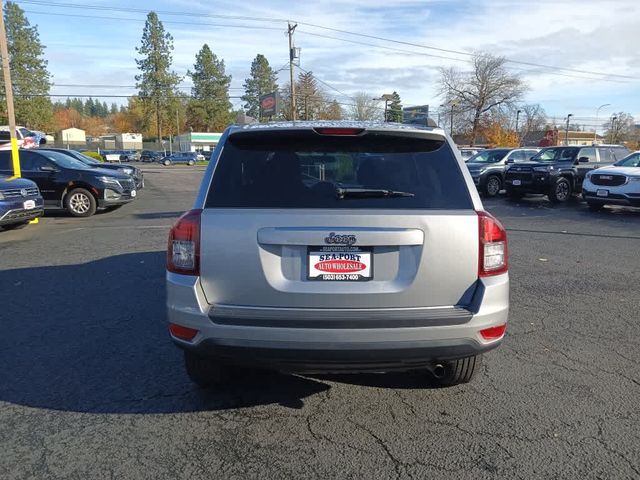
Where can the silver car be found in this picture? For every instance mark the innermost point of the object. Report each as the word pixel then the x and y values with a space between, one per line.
pixel 336 247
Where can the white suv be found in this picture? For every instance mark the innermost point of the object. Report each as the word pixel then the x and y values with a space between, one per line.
pixel 618 184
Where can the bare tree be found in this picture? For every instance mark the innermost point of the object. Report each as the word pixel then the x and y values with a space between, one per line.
pixel 365 107
pixel 488 86
pixel 619 129
pixel 532 119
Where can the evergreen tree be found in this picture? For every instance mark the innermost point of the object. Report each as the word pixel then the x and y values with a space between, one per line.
pixel 89 108
pixel 310 99
pixel 29 75
pixel 210 108
pixel 262 80
pixel 114 109
pixel 156 82
pixel 332 111
pixel 394 110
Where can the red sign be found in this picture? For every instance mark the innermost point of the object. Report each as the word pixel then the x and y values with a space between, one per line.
pixel 340 266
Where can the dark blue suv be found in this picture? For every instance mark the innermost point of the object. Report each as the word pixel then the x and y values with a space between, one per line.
pixel 20 202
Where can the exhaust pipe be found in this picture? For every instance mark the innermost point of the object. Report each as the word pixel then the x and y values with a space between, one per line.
pixel 438 370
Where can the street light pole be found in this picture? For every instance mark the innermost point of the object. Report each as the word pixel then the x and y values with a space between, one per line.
pixel 595 130
pixel 451 119
pixel 611 135
pixel 566 135
pixel 517 119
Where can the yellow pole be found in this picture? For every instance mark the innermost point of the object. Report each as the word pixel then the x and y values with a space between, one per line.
pixel 4 51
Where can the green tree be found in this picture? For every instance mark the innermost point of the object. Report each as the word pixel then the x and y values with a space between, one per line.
pixel 310 99
pixel 29 75
pixel 394 110
pixel 114 108
pixel 156 82
pixel 262 80
pixel 331 111
pixel 210 108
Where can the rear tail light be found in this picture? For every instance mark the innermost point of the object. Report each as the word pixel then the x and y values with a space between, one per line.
pixel 181 332
pixel 493 258
pixel 494 333
pixel 183 251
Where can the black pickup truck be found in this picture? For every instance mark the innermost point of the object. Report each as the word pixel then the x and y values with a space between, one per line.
pixel 558 172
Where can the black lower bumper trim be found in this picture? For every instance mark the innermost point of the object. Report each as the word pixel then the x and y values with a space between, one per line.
pixel 309 358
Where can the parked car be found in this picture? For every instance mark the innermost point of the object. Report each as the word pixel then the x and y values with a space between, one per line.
pixel 151 156
pixel 20 202
pixel 190 158
pixel 134 172
pixel 385 261
pixel 69 183
pixel 129 156
pixel 24 137
pixel 487 167
pixel 558 172
pixel 468 152
pixel 615 185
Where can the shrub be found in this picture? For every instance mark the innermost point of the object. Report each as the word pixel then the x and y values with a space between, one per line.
pixel 94 155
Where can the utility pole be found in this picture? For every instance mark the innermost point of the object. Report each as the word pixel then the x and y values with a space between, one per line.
pixel 613 122
pixel 292 55
pixel 517 119
pixel 451 118
pixel 4 51
pixel 566 135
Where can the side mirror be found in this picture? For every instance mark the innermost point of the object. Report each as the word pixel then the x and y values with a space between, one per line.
pixel 510 160
pixel 48 168
pixel 583 160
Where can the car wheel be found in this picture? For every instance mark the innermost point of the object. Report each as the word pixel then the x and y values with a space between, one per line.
pixel 492 186
pixel 561 191
pixel 595 206
pixel 166 163
pixel 191 163
pixel 514 194
pixel 205 371
pixel 458 371
pixel 80 203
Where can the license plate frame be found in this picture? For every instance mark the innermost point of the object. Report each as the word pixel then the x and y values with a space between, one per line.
pixel 516 183
pixel 29 204
pixel 345 256
pixel 601 192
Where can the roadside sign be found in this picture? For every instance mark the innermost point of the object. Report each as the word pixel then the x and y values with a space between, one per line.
pixel 269 104
pixel 415 115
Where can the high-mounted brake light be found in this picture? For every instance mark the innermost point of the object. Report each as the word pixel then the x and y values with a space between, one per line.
pixel 493 255
pixel 183 250
pixel 338 131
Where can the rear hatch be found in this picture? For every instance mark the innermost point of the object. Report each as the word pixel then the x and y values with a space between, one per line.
pixel 334 218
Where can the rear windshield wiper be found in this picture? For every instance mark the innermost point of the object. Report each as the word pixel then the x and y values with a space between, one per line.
pixel 370 193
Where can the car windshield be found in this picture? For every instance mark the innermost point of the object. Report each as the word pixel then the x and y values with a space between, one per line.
pixel 300 169
pixel 83 158
pixel 65 161
pixel 632 160
pixel 488 156
pixel 556 154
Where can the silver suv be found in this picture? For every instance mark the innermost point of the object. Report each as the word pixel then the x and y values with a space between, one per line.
pixel 336 247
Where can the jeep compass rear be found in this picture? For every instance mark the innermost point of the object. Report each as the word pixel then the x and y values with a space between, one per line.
pixel 336 247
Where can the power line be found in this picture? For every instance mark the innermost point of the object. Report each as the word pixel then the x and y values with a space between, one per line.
pixel 346 32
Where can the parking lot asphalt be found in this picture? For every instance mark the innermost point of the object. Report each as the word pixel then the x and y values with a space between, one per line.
pixel 91 386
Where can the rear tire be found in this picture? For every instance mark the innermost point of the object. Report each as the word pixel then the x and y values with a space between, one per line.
pixel 205 371
pixel 492 186
pixel 561 191
pixel 166 163
pixel 191 163
pixel 459 371
pixel 80 203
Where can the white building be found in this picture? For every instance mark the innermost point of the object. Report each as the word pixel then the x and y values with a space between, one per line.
pixel 72 136
pixel 129 141
pixel 198 141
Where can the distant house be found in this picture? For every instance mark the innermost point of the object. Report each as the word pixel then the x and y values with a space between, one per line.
pixel 129 141
pixel 69 137
pixel 198 141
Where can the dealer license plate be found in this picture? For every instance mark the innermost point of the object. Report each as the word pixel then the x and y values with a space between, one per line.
pixel 340 264
pixel 29 205
pixel 517 182
pixel 602 193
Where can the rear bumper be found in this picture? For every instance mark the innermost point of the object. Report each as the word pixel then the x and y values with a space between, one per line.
pixel 319 341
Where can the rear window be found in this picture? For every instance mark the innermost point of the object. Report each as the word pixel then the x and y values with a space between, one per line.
pixel 301 169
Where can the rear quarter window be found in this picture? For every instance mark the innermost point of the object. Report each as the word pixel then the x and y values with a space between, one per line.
pixel 301 169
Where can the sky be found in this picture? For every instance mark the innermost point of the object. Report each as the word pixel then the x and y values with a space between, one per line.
pixel 94 46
